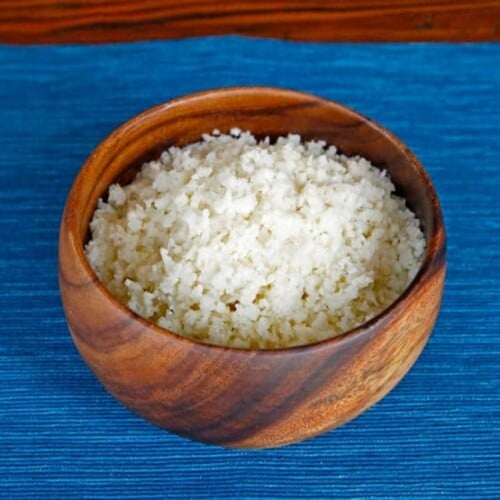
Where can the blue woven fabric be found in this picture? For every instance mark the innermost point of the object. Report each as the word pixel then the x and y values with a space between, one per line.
pixel 437 435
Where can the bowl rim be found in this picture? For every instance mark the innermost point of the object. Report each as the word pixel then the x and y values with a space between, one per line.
pixel 435 251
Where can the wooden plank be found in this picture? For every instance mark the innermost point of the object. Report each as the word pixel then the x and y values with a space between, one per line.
pixel 52 21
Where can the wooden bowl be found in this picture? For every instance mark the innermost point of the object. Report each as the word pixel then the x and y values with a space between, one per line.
pixel 236 397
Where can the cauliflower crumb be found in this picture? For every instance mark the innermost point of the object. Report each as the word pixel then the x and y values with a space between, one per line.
pixel 236 242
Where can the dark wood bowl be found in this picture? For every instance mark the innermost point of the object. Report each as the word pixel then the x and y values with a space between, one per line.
pixel 236 397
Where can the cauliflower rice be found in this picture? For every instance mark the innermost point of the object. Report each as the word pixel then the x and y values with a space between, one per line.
pixel 250 244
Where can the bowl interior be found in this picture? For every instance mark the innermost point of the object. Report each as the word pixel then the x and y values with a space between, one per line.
pixel 264 112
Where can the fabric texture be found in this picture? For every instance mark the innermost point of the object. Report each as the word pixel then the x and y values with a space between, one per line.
pixel 436 435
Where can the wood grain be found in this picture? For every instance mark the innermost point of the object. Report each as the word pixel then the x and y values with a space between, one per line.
pixel 51 21
pixel 233 397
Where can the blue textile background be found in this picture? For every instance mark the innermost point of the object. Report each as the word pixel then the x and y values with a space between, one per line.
pixel 437 435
